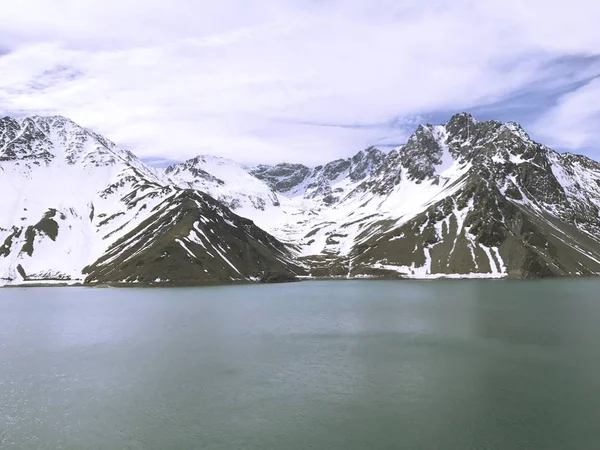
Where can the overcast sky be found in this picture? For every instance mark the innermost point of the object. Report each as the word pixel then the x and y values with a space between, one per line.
pixel 301 80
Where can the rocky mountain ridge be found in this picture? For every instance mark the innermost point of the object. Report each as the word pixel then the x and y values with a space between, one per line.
pixel 461 199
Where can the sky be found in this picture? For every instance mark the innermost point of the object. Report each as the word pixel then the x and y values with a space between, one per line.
pixel 301 80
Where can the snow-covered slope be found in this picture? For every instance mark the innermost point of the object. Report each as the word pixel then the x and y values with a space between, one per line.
pixel 226 181
pixel 460 199
pixel 69 197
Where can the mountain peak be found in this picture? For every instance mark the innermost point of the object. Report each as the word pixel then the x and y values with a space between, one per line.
pixel 51 118
pixel 517 129
pixel 462 118
pixel 39 120
pixel 51 139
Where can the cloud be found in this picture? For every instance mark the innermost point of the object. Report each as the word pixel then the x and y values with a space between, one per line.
pixel 294 80
pixel 573 122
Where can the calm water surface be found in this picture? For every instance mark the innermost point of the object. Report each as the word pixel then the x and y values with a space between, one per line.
pixel 316 365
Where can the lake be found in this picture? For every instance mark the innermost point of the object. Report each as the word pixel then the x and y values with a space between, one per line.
pixel 444 364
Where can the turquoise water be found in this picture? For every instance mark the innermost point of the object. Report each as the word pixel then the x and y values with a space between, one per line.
pixel 322 365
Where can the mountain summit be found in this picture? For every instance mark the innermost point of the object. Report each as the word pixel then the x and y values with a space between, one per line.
pixel 462 199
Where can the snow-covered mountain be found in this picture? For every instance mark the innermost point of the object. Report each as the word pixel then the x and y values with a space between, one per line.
pixel 225 180
pixel 75 207
pixel 460 199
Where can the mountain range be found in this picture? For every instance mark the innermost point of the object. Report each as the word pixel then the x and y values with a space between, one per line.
pixel 467 198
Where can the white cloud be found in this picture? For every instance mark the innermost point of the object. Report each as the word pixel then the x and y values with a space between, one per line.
pixel 243 79
pixel 573 122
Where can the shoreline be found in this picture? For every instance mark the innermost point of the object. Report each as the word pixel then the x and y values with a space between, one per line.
pixel 65 283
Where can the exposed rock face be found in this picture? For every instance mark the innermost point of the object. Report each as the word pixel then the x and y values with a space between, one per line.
pixel 191 237
pixel 515 211
pixel 283 177
pixel 461 199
